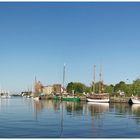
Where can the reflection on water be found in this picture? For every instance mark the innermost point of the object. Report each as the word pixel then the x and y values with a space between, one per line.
pixel 71 108
pixel 23 117
pixel 98 107
pixel 136 112
pixel 135 107
pixel 41 105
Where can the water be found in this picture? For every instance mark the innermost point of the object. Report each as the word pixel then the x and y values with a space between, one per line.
pixel 26 118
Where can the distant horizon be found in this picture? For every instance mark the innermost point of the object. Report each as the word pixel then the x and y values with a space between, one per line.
pixel 37 38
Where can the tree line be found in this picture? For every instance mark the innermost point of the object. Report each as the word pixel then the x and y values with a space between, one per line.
pixel 79 88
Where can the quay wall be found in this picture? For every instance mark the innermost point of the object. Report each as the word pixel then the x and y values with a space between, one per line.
pixel 119 99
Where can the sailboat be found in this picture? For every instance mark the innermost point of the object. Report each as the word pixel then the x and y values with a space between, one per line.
pixel 67 97
pixel 5 94
pixel 98 97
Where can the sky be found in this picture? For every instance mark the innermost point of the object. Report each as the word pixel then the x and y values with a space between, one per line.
pixel 37 38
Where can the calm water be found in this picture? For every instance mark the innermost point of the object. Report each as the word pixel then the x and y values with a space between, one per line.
pixel 26 118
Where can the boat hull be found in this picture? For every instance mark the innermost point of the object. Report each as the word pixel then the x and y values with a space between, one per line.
pixel 98 100
pixel 70 99
pixel 5 97
pixel 135 101
pixel 56 98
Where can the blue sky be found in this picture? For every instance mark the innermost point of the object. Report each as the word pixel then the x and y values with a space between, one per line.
pixel 36 39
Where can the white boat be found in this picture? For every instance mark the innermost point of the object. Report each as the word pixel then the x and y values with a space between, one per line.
pixel 4 94
pixel 5 97
pixel 99 98
pixel 135 100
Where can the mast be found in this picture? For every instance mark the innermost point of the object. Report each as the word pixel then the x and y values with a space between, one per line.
pixel 100 81
pixel 35 80
pixel 94 76
pixel 34 88
pixel 64 77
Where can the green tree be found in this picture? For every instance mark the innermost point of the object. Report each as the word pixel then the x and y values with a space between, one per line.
pixel 77 87
pixel 120 86
pixel 70 87
pixel 136 87
pixel 87 89
pixel 109 89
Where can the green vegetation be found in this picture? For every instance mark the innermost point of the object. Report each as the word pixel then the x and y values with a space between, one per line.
pixel 76 87
pixel 114 90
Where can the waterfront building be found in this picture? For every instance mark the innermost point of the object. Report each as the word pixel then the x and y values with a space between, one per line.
pixel 57 88
pixel 38 87
pixel 48 89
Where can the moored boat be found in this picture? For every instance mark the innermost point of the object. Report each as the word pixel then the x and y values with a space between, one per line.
pixel 56 97
pixel 66 96
pixel 99 98
pixel 5 96
pixel 134 100
pixel 70 98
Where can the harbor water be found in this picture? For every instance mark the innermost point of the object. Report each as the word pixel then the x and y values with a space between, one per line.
pixel 26 118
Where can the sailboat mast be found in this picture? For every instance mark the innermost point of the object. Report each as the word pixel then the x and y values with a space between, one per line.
pixel 94 76
pixel 34 88
pixel 64 76
pixel 100 82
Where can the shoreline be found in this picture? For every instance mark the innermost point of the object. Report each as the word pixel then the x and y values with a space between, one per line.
pixel 112 99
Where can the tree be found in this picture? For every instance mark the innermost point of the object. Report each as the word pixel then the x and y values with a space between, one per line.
pixel 120 86
pixel 136 87
pixel 109 89
pixel 77 87
pixel 70 87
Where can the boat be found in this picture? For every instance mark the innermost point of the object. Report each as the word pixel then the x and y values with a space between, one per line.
pixel 55 97
pixel 65 96
pixel 134 100
pixel 5 95
pixel 70 98
pixel 98 97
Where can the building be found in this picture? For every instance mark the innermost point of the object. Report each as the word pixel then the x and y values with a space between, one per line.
pixel 38 88
pixel 48 89
pixel 57 88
